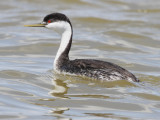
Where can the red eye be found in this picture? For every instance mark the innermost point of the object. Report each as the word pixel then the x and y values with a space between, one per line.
pixel 49 21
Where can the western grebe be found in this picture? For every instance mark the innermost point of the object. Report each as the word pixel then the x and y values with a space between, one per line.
pixel 94 69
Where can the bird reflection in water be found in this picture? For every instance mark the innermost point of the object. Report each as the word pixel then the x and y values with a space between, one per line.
pixel 59 88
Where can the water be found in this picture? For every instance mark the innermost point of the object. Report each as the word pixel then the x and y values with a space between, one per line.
pixel 121 31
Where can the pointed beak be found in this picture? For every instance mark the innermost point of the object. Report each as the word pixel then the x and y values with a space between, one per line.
pixel 36 25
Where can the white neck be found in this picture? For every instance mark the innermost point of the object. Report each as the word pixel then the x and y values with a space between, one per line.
pixel 65 40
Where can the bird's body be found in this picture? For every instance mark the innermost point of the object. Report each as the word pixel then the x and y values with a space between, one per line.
pixel 94 69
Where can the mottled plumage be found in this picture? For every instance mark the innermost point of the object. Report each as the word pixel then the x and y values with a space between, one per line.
pixel 97 69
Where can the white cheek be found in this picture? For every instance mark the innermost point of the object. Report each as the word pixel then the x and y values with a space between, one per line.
pixel 59 27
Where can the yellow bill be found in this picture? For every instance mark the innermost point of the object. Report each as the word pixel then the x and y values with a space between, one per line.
pixel 35 25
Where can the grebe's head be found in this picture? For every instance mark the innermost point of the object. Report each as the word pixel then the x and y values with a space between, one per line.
pixel 56 21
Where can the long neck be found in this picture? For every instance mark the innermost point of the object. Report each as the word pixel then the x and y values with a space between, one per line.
pixel 64 48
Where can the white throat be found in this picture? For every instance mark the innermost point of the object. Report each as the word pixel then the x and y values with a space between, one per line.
pixel 64 28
